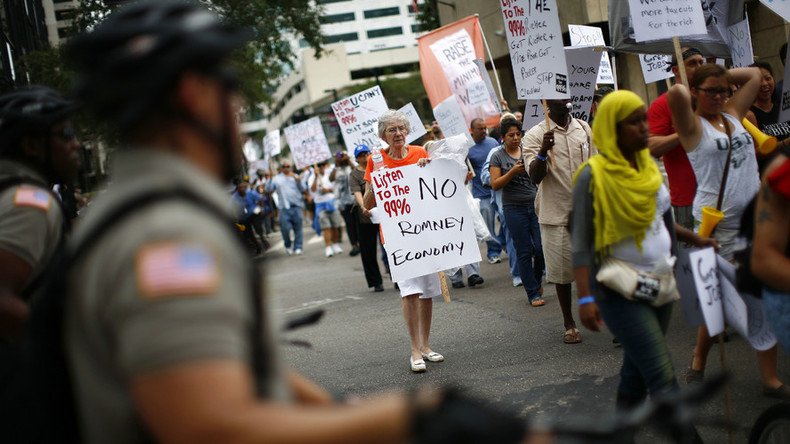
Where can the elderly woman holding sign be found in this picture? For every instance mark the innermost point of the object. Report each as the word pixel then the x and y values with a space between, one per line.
pixel 417 293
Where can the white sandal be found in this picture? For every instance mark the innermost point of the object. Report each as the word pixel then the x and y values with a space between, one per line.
pixel 417 366
pixel 433 357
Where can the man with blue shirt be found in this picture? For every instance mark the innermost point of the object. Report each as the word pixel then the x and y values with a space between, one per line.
pixel 477 157
pixel 290 197
pixel 248 206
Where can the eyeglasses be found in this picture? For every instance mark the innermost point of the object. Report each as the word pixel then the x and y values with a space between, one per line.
pixel 286 166
pixel 397 129
pixel 66 134
pixel 713 92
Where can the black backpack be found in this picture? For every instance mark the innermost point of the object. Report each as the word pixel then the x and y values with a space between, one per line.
pixel 44 400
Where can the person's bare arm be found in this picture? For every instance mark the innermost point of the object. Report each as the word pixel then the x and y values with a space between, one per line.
pixel 690 237
pixel 499 180
pixel 685 121
pixel 14 274
pixel 771 228
pixel 369 200
pixel 213 401
pixel 748 80
pixel 307 391
pixel 589 314
pixel 660 145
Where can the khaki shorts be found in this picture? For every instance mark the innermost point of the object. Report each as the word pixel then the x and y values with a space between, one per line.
pixel 332 219
pixel 557 253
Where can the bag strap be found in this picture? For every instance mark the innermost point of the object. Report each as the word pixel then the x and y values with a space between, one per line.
pixel 726 172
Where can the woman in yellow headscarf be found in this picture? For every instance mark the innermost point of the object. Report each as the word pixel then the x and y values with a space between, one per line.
pixel 621 210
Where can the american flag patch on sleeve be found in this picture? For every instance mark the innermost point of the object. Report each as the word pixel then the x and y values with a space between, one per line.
pixel 32 197
pixel 176 269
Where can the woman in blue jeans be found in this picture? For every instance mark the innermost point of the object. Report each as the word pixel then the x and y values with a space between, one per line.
pixel 518 201
pixel 621 209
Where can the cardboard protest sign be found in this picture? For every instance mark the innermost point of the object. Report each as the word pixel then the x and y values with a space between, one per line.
pixel 684 276
pixel 784 110
pixel 740 41
pixel 307 142
pixel 358 117
pixel 704 271
pixel 779 7
pixel 533 114
pixel 654 67
pixel 417 128
pixel 742 311
pixel 534 39
pixel 447 65
pixel 653 20
pixel 250 150
pixel 593 36
pixel 271 143
pixel 481 67
pixel 477 93
pixel 450 119
pixel 425 220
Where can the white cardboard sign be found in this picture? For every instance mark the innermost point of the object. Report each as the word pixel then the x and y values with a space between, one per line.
pixel 250 150
pixel 358 117
pixel 534 39
pixel 780 7
pixel 740 41
pixel 654 67
pixel 478 93
pixel 456 55
pixel 664 19
pixel 417 128
pixel 271 143
pixel 533 114
pixel 592 36
pixel 706 281
pixel 308 142
pixel 481 68
pixel 451 120
pixel 742 311
pixel 784 111
pixel 426 223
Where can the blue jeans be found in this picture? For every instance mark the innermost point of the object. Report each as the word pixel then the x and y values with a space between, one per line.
pixel 522 223
pixel 640 328
pixel 777 310
pixel 471 269
pixel 488 213
pixel 291 218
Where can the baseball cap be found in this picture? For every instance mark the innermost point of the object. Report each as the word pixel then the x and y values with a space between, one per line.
pixel 361 149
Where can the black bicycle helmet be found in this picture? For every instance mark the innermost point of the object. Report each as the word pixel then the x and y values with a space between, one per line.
pixel 129 61
pixel 30 110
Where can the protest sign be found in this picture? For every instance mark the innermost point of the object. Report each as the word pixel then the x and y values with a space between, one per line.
pixel 654 67
pixel 425 220
pixel 706 282
pixel 583 64
pixel 450 119
pixel 358 117
pixel 784 110
pixel 533 114
pixel 477 92
pixel 653 20
pixel 740 41
pixel 417 128
pixel 271 143
pixel 307 142
pixel 534 39
pixel 779 7
pixel 592 36
pixel 742 311
pixel 250 150
pixel 481 67
pixel 684 276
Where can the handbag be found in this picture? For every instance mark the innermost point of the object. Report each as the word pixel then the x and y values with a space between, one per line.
pixel 654 288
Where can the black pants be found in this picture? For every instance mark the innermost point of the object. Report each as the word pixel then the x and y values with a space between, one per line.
pixel 368 239
pixel 350 218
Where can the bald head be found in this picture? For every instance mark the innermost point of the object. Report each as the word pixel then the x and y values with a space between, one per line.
pixel 478 130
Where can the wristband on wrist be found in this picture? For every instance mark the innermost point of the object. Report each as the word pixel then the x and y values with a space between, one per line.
pixel 541 158
pixel 586 300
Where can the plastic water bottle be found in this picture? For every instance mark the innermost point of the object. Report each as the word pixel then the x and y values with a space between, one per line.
pixel 378 159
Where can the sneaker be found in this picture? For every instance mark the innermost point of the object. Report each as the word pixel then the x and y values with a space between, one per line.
pixel 475 279
pixel 337 249
pixel 354 251
pixel 517 282
pixel 494 260
pixel 378 288
pixel 458 284
pixel 288 251
pixel 329 252
pixel 298 251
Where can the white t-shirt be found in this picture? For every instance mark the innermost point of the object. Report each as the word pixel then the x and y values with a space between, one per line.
pixel 657 244
pixel 319 196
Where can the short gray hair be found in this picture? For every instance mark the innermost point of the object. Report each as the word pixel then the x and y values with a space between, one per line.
pixel 392 117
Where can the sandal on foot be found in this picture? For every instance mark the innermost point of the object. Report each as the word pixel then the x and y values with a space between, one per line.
pixel 694 376
pixel 781 392
pixel 417 366
pixel 433 357
pixel 537 302
pixel 572 336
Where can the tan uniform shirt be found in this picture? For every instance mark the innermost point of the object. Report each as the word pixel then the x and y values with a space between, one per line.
pixel 166 286
pixel 572 147
pixel 31 221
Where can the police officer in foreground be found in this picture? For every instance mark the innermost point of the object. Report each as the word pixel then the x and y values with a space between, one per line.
pixel 166 339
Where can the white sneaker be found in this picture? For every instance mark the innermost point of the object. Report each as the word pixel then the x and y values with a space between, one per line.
pixel 329 252
pixel 288 251
pixel 337 249
pixel 494 259
pixel 298 251
pixel 517 282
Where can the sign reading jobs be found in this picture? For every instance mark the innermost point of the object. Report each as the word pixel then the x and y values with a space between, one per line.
pixel 426 223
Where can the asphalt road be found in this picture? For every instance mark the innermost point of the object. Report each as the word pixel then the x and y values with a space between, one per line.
pixel 494 343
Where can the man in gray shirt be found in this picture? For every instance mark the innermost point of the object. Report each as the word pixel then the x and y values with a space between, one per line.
pixel 290 198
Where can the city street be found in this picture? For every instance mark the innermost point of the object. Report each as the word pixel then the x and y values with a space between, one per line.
pixel 495 344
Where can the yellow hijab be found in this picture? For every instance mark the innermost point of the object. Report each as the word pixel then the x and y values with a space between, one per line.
pixel 624 199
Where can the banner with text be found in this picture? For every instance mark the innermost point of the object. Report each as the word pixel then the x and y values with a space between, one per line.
pixel 447 67
pixel 655 67
pixel 307 142
pixel 593 36
pixel 425 220
pixel 662 19
pixel 417 128
pixel 740 41
pixel 534 39
pixel 271 143
pixel 784 112
pixel 358 117
pixel 779 7
pixel 450 119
